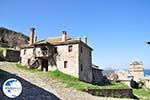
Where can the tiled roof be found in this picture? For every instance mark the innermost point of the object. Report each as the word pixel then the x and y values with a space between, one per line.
pixel 57 41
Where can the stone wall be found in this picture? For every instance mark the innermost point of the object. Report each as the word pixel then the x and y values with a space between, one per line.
pixel 119 93
pixel 147 83
pixel 72 59
pixel 85 63
pixel 97 76
pixel 136 70
pixel 10 55
pixel 25 55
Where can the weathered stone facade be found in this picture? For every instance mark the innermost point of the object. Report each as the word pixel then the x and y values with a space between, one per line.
pixel 97 75
pixel 71 56
pixel 136 70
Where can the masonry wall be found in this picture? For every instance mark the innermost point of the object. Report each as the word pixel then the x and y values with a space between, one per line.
pixel 97 76
pixel 75 62
pixel 137 75
pixel 12 55
pixel 147 83
pixel 136 71
pixel 72 59
pixel 85 63
pixel 26 54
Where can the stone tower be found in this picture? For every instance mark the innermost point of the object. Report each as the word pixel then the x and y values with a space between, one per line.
pixel 136 70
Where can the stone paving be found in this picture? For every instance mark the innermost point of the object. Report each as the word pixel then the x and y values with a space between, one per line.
pixel 36 87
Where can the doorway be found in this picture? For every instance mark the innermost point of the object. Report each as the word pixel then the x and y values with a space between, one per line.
pixel 44 65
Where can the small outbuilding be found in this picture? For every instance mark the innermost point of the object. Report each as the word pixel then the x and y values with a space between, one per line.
pixel 10 55
pixel 97 75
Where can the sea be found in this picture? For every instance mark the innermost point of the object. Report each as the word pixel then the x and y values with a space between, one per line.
pixel 146 72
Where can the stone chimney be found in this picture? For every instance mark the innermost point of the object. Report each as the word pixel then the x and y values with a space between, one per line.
pixel 79 38
pixel 32 36
pixel 35 39
pixel 64 36
pixel 85 39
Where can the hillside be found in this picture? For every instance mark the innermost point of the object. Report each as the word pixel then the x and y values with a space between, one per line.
pixel 10 38
pixel 39 85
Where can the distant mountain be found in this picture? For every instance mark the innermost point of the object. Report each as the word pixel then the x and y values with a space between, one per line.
pixel 13 39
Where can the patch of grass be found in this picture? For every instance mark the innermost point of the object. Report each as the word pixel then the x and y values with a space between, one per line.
pixel 71 81
pixel 142 93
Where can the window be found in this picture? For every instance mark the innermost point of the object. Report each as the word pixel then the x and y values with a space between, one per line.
pixel 81 67
pixel 70 48
pixel 81 49
pixel 65 64
pixel 24 52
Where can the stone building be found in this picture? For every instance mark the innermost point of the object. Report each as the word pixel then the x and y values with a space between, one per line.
pixel 10 55
pixel 136 70
pixel 71 56
pixel 97 75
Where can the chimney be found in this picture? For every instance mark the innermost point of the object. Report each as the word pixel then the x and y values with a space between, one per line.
pixel 79 38
pixel 32 36
pixel 35 39
pixel 85 39
pixel 64 36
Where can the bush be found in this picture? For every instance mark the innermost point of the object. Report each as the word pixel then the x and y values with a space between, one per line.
pixel 134 84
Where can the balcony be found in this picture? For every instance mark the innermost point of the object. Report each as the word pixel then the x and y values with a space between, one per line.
pixel 42 53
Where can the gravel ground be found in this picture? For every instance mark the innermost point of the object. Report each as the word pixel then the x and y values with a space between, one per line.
pixel 36 87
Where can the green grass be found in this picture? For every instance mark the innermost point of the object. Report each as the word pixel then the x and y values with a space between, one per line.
pixel 143 94
pixel 70 81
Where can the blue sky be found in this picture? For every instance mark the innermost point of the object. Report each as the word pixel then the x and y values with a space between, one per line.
pixel 116 29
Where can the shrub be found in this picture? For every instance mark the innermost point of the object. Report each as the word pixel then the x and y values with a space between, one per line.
pixel 134 84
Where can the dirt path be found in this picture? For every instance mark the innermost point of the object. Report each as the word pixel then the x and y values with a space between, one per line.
pixel 36 87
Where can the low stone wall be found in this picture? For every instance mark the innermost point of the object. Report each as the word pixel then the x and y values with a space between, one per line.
pixel 118 93
pixel 12 55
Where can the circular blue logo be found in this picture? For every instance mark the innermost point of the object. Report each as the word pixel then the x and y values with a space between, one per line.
pixel 12 88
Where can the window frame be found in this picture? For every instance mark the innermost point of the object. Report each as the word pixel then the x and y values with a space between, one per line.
pixel 24 51
pixel 70 48
pixel 65 64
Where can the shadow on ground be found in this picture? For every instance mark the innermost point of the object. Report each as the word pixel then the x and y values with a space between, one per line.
pixel 29 92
